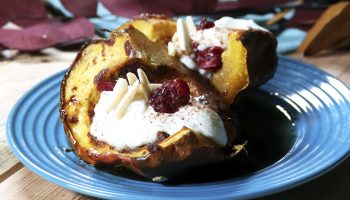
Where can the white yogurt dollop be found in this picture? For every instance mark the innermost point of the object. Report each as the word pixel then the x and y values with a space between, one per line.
pixel 140 123
pixel 242 24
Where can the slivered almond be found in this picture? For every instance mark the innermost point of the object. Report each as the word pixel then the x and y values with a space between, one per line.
pixel 174 38
pixel 153 86
pixel 171 49
pixel 131 78
pixel 184 38
pixel 118 92
pixel 190 25
pixel 126 100
pixel 187 60
pixel 144 83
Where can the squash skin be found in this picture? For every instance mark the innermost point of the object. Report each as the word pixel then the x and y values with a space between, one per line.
pixel 261 59
pixel 127 50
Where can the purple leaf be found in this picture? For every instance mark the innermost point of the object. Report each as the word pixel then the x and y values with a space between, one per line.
pixel 81 8
pixel 47 34
pixel 130 8
pixel 23 13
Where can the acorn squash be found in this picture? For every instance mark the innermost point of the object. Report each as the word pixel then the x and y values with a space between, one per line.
pixel 107 59
pixel 248 62
pixel 140 44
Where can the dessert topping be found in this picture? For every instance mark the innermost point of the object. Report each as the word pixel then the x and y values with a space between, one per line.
pixel 123 93
pixel 132 78
pixel 119 90
pixel 171 49
pixel 205 24
pixel 126 100
pixel 167 111
pixel 183 36
pixel 209 58
pixel 188 61
pixel 144 83
pixel 170 96
pixel 190 25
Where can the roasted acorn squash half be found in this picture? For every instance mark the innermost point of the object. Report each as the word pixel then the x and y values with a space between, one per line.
pixel 128 49
pixel 248 62
pixel 108 59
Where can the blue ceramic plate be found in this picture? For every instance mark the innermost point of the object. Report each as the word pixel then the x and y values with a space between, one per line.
pixel 321 116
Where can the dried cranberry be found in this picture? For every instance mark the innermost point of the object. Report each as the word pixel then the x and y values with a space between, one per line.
pixel 205 24
pixel 209 58
pixel 170 96
pixel 103 85
pixel 194 45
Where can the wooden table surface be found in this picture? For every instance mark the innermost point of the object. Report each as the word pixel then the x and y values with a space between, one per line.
pixel 24 71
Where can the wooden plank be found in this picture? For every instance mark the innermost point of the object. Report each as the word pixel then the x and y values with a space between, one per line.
pixel 25 184
pixel 336 63
pixel 8 162
pixel 17 77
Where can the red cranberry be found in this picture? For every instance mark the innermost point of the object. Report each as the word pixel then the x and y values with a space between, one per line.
pixel 169 97
pixel 209 58
pixel 194 45
pixel 205 24
pixel 104 85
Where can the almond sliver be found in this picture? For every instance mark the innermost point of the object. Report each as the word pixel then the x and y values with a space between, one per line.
pixel 153 86
pixel 171 49
pixel 126 100
pixel 190 25
pixel 184 38
pixel 120 88
pixel 175 37
pixel 131 78
pixel 144 83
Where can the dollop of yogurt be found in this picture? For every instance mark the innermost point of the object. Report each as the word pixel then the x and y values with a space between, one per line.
pixel 140 123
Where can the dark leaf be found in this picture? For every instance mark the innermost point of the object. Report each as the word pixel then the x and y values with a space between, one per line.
pixel 47 34
pixel 130 8
pixel 23 13
pixel 81 8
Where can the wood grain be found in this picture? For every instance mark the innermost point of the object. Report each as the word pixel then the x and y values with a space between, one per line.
pixel 8 162
pixel 336 63
pixel 26 185
pixel 22 73
pixel 16 77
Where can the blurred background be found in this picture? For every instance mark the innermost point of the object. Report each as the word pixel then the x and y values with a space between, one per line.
pixel 33 25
